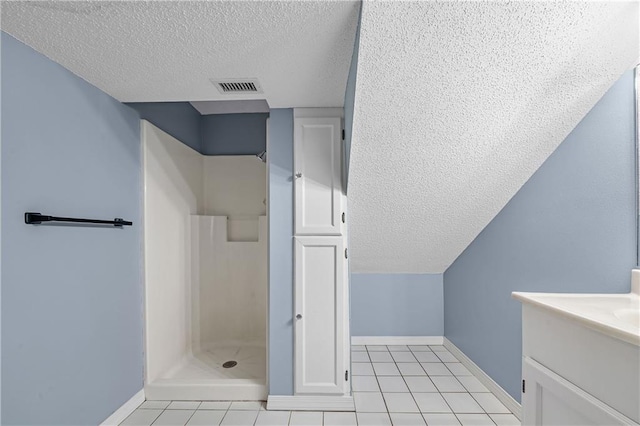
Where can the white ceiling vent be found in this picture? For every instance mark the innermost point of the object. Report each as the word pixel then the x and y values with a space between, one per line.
pixel 234 86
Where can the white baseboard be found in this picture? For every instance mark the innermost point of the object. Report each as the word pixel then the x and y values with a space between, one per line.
pixel 396 340
pixel 508 401
pixel 310 403
pixel 125 410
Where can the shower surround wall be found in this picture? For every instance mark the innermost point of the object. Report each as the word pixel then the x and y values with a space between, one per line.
pixel 206 279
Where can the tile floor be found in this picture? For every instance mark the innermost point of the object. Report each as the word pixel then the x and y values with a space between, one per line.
pixel 392 385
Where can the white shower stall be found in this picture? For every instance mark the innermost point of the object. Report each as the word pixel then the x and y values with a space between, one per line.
pixel 205 250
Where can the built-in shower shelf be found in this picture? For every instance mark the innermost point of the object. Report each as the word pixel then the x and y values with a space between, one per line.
pixel 244 229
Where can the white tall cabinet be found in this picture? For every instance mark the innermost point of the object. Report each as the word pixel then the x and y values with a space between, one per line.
pixel 318 170
pixel 321 311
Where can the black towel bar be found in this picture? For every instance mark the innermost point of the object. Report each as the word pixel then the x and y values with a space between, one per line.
pixel 32 218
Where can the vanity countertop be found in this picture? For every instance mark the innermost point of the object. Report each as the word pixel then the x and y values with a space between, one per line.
pixel 616 315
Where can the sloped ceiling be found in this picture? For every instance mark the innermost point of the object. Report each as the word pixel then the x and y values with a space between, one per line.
pixel 457 105
pixel 146 51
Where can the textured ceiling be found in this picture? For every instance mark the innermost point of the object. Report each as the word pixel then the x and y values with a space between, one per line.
pixel 145 51
pixel 457 105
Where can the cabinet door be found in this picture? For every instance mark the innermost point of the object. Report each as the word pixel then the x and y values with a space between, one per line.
pixel 552 400
pixel 320 303
pixel 318 176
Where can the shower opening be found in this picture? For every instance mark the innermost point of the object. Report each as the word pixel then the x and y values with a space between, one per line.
pixel 205 273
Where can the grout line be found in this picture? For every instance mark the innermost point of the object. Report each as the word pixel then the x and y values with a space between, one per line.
pixel 192 414
pixel 225 415
pixel 409 389
pixel 161 413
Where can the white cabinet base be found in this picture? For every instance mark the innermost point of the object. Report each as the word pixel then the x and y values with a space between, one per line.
pixel 551 400
pixel 575 375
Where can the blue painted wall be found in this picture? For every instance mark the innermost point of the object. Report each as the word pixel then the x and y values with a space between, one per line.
pixel 179 119
pixel 396 305
pixel 350 99
pixel 234 134
pixel 280 215
pixel 71 296
pixel 570 228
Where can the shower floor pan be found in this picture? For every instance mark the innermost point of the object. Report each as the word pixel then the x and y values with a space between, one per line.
pixel 202 377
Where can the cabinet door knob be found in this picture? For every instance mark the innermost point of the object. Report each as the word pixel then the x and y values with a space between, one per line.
pixel 298 175
pixel 298 316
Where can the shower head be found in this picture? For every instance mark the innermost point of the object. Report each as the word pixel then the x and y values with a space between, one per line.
pixel 262 156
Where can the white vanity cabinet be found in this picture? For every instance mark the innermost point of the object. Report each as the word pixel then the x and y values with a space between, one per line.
pixel 575 374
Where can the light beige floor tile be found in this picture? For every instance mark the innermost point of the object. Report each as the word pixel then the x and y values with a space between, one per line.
pixel 447 384
pixel 369 402
pixel 392 384
pixel 431 403
pixel 385 369
pixel 411 369
pixel 377 348
pixel 420 384
pixel 398 348
pixel 142 417
pixel 472 384
pixel 380 357
pixel 438 419
pixel 405 356
pixel 339 419
pixel 407 419
pixel 360 356
pixel 184 405
pixel 214 405
pixel 361 369
pixel 400 403
pixel 174 418
pixel 490 403
pixel 206 418
pixel 426 357
pixel 239 418
pixel 505 419
pixel 373 419
pixel 436 369
pixel 365 384
pixel 462 402
pixel 157 405
pixel 246 405
pixel 458 369
pixel 446 357
pixel 475 420
pixel 306 418
pixel 273 418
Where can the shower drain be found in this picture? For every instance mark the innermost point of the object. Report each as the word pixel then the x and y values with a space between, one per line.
pixel 229 364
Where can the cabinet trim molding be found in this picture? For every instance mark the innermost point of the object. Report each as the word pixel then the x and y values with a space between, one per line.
pixel 508 401
pixel 310 403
